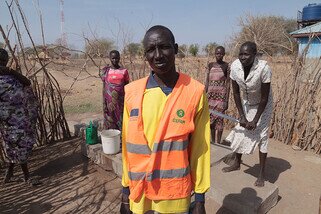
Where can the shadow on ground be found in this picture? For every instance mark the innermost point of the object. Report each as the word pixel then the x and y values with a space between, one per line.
pixel 247 195
pixel 70 184
pixel 274 167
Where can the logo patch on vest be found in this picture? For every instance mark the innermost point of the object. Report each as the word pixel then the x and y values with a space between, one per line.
pixel 180 113
pixel 134 112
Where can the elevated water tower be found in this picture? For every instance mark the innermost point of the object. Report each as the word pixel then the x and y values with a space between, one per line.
pixel 310 15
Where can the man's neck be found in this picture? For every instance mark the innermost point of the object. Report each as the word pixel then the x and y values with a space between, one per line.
pixel 168 79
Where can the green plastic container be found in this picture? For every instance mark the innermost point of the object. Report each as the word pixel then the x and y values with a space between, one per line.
pixel 91 134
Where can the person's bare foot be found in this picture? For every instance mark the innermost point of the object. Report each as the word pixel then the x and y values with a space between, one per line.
pixel 234 167
pixel 259 182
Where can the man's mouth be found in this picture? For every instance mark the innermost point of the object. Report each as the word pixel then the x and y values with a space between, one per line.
pixel 159 64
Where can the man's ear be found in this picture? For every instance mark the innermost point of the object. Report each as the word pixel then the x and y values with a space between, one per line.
pixel 176 48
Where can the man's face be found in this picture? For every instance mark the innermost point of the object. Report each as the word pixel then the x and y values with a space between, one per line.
pixel 246 56
pixel 160 51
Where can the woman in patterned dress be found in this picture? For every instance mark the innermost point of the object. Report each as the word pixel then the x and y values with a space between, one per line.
pixel 114 79
pixel 18 115
pixel 252 77
pixel 218 88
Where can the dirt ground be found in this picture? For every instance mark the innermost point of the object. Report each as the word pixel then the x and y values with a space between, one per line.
pixel 72 184
pixel 297 174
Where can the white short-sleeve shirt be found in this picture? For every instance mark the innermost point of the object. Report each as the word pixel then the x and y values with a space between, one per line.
pixel 251 86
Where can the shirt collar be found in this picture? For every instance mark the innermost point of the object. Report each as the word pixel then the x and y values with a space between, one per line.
pixel 255 63
pixel 152 83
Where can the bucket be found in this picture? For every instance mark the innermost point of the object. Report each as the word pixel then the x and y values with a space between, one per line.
pixel 110 140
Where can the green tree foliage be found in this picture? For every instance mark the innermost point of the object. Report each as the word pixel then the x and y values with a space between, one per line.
pixel 134 49
pixel 210 48
pixel 270 33
pixel 99 47
pixel 193 49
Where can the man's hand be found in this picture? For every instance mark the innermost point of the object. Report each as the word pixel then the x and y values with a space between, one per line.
pixel 124 207
pixel 199 208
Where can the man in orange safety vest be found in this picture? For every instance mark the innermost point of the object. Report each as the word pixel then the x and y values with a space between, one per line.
pixel 166 135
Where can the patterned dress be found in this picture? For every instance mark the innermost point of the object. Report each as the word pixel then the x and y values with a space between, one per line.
pixel 18 116
pixel 114 81
pixel 242 140
pixel 217 95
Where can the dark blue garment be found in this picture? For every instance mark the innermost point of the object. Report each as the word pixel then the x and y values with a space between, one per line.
pixel 152 83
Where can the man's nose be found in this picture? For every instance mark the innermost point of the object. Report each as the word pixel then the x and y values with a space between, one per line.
pixel 158 52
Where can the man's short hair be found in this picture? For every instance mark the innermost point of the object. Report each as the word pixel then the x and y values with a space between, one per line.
pixel 161 27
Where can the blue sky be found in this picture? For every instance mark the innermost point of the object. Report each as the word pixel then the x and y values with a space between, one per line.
pixel 191 21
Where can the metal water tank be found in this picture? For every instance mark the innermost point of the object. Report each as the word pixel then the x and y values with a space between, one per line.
pixel 311 12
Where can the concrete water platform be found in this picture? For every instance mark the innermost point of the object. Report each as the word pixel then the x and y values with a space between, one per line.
pixel 234 191
pixel 107 162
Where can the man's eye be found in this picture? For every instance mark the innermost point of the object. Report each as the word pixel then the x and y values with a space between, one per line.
pixel 150 50
pixel 166 46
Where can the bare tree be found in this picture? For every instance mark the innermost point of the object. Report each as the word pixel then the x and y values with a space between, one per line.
pixel 99 47
pixel 184 49
pixel 270 33
pixel 51 123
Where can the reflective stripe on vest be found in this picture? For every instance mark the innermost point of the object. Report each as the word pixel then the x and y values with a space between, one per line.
pixel 137 149
pixel 172 173
pixel 161 146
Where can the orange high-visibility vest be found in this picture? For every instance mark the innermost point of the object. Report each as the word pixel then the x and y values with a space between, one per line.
pixel 163 172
